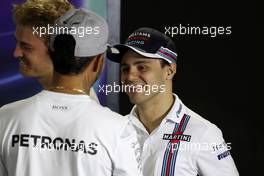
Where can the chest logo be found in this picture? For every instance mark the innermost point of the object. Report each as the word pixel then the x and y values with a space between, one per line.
pixel 176 137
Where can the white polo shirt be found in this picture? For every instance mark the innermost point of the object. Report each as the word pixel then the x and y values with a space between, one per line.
pixel 56 134
pixel 184 144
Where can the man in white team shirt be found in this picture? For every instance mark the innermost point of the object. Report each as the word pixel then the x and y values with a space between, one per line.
pixel 174 140
pixel 32 50
pixel 62 131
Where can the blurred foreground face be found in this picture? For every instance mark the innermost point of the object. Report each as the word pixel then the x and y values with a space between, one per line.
pixel 32 53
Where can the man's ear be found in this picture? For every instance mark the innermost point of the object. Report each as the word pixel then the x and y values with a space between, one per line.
pixel 97 63
pixel 171 70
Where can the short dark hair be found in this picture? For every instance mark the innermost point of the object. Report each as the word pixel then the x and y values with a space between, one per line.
pixel 63 57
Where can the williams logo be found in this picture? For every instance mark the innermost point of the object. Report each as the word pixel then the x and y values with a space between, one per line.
pixel 177 137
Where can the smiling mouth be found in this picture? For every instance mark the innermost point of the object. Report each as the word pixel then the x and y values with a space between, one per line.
pixel 134 88
pixel 23 63
pixel 132 84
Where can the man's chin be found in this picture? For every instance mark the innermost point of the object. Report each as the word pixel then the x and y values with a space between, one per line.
pixel 23 73
pixel 26 73
pixel 136 98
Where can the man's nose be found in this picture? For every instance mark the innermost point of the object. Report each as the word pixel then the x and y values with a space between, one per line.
pixel 132 75
pixel 17 52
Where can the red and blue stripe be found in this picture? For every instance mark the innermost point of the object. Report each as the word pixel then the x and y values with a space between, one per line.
pixel 171 152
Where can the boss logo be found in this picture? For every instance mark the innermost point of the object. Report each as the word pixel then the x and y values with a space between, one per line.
pixel 59 107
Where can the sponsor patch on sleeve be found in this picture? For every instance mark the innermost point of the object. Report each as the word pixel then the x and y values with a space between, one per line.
pixel 223 155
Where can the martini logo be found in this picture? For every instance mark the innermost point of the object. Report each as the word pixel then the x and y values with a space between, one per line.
pixel 177 137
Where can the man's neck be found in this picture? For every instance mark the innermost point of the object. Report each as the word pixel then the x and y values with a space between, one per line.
pixel 70 85
pixel 45 81
pixel 152 112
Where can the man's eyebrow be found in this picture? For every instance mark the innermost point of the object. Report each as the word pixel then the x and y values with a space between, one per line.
pixel 141 62
pixel 22 42
pixel 136 63
pixel 25 44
